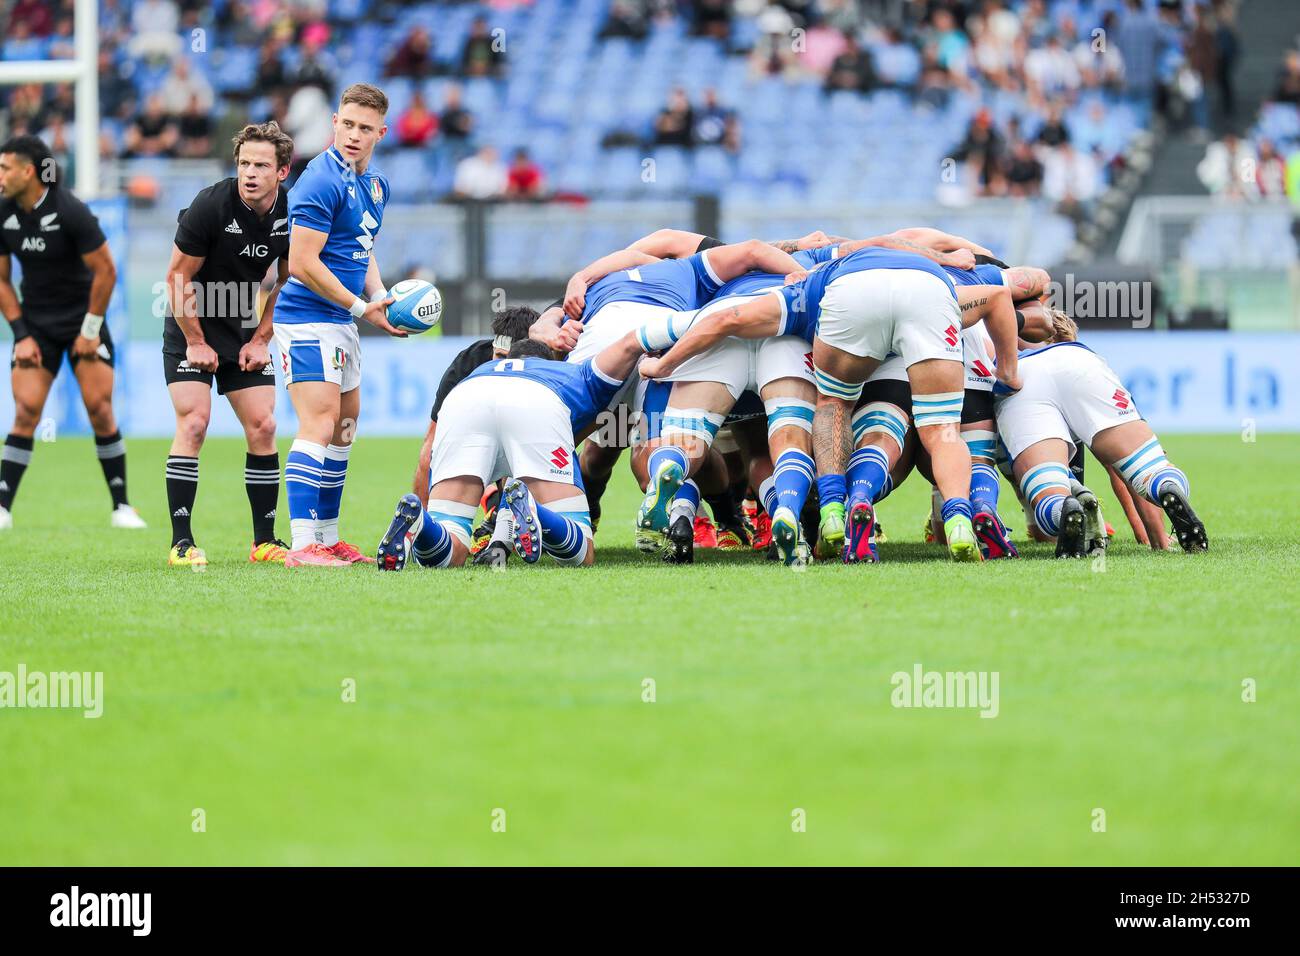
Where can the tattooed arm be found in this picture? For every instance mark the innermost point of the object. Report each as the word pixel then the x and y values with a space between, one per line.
pixel 958 258
pixel 993 304
pixel 814 240
pixel 1027 282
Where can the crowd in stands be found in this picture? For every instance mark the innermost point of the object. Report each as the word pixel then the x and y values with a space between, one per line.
pixel 1022 98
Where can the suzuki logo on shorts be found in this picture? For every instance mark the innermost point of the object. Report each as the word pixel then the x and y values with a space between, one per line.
pixel 980 370
pixel 1120 399
pixel 808 361
pixel 950 334
pixel 560 458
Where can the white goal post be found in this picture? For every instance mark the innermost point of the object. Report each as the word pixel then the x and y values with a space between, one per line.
pixel 83 72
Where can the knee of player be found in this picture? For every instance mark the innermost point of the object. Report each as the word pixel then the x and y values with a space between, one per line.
pixel 193 428
pixel 259 431
pixel 26 417
pixel 100 413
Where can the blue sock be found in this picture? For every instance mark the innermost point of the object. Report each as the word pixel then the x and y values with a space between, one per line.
pixel 831 489
pixel 432 544
pixel 956 506
pixel 984 488
pixel 331 492
pixel 793 477
pixel 302 480
pixel 667 453
pixel 1170 474
pixel 767 495
pixel 562 537
pixel 687 499
pixel 884 491
pixel 1047 514
pixel 868 473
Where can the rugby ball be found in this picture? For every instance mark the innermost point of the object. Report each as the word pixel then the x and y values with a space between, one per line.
pixel 417 305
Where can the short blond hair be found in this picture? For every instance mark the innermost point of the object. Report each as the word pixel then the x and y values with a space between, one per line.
pixel 363 94
pixel 268 132
pixel 1064 328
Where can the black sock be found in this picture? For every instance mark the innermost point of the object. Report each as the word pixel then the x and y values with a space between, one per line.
pixel 112 458
pixel 726 513
pixel 1076 463
pixel 262 482
pixel 13 462
pixel 182 484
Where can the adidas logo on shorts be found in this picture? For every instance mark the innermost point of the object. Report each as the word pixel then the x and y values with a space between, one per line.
pixel 234 228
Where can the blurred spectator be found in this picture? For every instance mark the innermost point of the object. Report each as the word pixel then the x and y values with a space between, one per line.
pixel 481 176
pixel 715 125
pixel 1054 131
pixel 1024 173
pixel 153 30
pixel 1287 88
pixel 309 120
pixel 1137 39
pixel 897 62
pixel 1229 168
pixel 1270 174
pixel 20 44
pixel 152 133
pixel 982 148
pixel 1099 61
pixel 456 123
pixel 1071 179
pixel 194 126
pixel 774 53
pixel 317 67
pixel 1203 60
pixel 271 75
pixel 418 124
pixel 34 16
pixel 950 43
pixel 182 86
pixel 62 42
pixel 1051 71
pixel 626 19
pixel 484 53
pixel 524 179
pixel 676 121
pixel 712 18
pixel 414 57
pixel 853 69
pixel 116 92
pixel 1229 48
pixel 934 88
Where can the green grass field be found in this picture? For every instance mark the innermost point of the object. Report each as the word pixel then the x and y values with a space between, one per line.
pixel 1119 689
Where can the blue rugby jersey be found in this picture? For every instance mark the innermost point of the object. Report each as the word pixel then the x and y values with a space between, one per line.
pixel 584 389
pixel 330 197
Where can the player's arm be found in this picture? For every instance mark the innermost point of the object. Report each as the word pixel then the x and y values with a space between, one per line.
pixel 669 243
pixel 617 360
pixel 575 293
pixel 814 240
pixel 957 258
pixel 420 484
pixel 758 318
pixel 255 354
pixel 305 245
pixel 994 305
pixel 181 270
pixel 728 262
pixel 1027 282
pixel 1035 322
pixel 103 276
pixel 940 241
pixel 26 354
pixel 555 330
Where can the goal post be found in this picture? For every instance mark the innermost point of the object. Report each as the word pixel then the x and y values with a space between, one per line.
pixel 83 72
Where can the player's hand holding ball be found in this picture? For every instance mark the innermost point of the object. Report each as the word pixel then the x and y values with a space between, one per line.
pixel 413 306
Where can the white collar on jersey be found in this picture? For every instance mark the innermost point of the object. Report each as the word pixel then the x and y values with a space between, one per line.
pixel 41 200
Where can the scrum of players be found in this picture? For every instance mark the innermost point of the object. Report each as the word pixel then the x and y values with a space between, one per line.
pixel 811 375
pixel 868 359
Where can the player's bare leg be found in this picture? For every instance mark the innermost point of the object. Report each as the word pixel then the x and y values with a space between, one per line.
pixel 255 409
pixel 192 403
pixel 1133 450
pixel 96 381
pixel 31 387
pixel 938 388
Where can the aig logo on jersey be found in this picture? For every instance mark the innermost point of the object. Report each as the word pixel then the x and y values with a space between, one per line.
pixel 33 244
pixel 256 250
